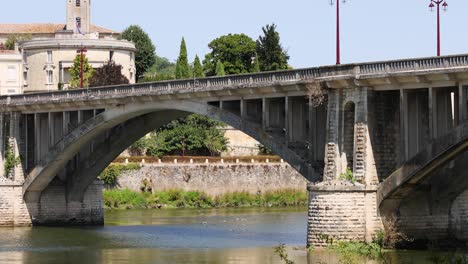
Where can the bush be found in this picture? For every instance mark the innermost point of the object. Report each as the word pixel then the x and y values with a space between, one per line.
pixel 110 174
pixel 126 199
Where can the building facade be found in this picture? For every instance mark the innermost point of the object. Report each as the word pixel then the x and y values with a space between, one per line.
pixel 11 72
pixel 48 50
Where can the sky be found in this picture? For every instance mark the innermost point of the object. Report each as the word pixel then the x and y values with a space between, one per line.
pixel 372 30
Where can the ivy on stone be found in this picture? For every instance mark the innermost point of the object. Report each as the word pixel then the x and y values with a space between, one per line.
pixel 11 161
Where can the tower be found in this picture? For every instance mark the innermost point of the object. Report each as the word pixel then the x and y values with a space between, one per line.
pixel 79 16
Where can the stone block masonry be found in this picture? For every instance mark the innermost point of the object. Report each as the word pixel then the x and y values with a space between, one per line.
pixel 215 179
pixel 53 208
pixel 341 211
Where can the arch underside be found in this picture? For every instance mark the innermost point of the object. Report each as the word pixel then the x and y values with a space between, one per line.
pixel 125 124
pixel 439 170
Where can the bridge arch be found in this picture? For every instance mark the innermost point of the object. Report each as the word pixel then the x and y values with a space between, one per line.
pixel 149 115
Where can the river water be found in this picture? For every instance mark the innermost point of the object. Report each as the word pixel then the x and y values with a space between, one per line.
pixel 177 236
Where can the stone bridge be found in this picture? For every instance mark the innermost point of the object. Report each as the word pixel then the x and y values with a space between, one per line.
pixel 397 127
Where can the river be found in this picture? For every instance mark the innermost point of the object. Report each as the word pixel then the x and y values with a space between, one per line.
pixel 177 236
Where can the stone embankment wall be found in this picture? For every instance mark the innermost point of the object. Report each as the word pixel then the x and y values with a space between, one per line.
pixel 215 179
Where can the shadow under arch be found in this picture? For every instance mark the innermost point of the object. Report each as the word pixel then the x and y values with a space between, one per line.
pixel 57 158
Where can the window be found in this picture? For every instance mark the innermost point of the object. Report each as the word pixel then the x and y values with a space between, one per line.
pixel 111 55
pixel 50 77
pixel 78 23
pixel 49 56
pixel 78 3
pixel 11 73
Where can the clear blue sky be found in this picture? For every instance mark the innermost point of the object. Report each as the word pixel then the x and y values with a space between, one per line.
pixel 371 29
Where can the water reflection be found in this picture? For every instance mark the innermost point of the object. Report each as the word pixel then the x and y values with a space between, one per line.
pixel 181 236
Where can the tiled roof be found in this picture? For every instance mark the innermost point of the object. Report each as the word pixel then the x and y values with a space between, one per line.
pixel 42 28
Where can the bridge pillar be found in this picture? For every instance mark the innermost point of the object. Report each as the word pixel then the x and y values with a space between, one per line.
pixel 343 206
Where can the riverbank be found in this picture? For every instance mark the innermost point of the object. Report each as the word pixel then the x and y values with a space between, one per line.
pixel 171 199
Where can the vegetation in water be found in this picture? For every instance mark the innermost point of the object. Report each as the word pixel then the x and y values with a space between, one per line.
pixel 126 199
pixel 280 250
pixel 110 174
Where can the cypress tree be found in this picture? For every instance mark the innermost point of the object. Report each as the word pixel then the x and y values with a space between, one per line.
pixel 220 69
pixel 271 55
pixel 197 68
pixel 182 66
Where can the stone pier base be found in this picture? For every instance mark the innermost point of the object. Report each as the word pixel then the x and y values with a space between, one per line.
pixel 342 211
pixel 53 209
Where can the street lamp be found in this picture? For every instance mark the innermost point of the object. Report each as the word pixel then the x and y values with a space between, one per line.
pixel 81 51
pixel 338 52
pixel 433 4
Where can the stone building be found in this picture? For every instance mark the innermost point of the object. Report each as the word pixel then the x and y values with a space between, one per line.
pixel 48 56
pixel 11 70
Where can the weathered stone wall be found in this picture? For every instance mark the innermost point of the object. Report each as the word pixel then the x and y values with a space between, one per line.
pixel 53 208
pixel 215 179
pixel 341 211
pixel 386 132
pixel 13 210
pixel 459 217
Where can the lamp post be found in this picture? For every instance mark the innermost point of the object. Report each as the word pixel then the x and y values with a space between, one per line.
pixel 81 51
pixel 338 50
pixel 433 4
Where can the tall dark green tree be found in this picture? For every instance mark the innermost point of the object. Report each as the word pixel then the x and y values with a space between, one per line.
pixel 182 65
pixel 235 51
pixel 271 55
pixel 198 68
pixel 145 54
pixel 220 69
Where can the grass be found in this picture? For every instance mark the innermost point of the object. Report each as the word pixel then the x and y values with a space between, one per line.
pixel 126 199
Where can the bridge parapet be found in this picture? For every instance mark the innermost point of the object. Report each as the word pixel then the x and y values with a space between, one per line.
pixel 280 78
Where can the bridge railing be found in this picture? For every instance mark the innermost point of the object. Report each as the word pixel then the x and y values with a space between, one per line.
pixel 363 70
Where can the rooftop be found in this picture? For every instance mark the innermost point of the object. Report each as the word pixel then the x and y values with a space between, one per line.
pixel 46 28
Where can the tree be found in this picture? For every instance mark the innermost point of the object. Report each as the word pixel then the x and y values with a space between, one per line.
pixel 271 54
pixel 182 65
pixel 198 68
pixel 75 70
pixel 145 54
pixel 256 67
pixel 16 38
pixel 109 74
pixel 235 51
pixel 220 69
pixel 161 70
pixel 194 135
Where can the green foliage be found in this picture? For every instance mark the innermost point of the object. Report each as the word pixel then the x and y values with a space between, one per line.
pixel 112 172
pixel 11 161
pixel 354 252
pixel 280 250
pixel 271 54
pixel 16 38
pixel 198 68
pixel 348 176
pixel 182 66
pixel 124 199
pixel 194 135
pixel 109 74
pixel 220 69
pixel 60 86
pixel 162 70
pixel 256 66
pixel 121 199
pixel 235 51
pixel 75 72
pixel 262 150
pixel 145 54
